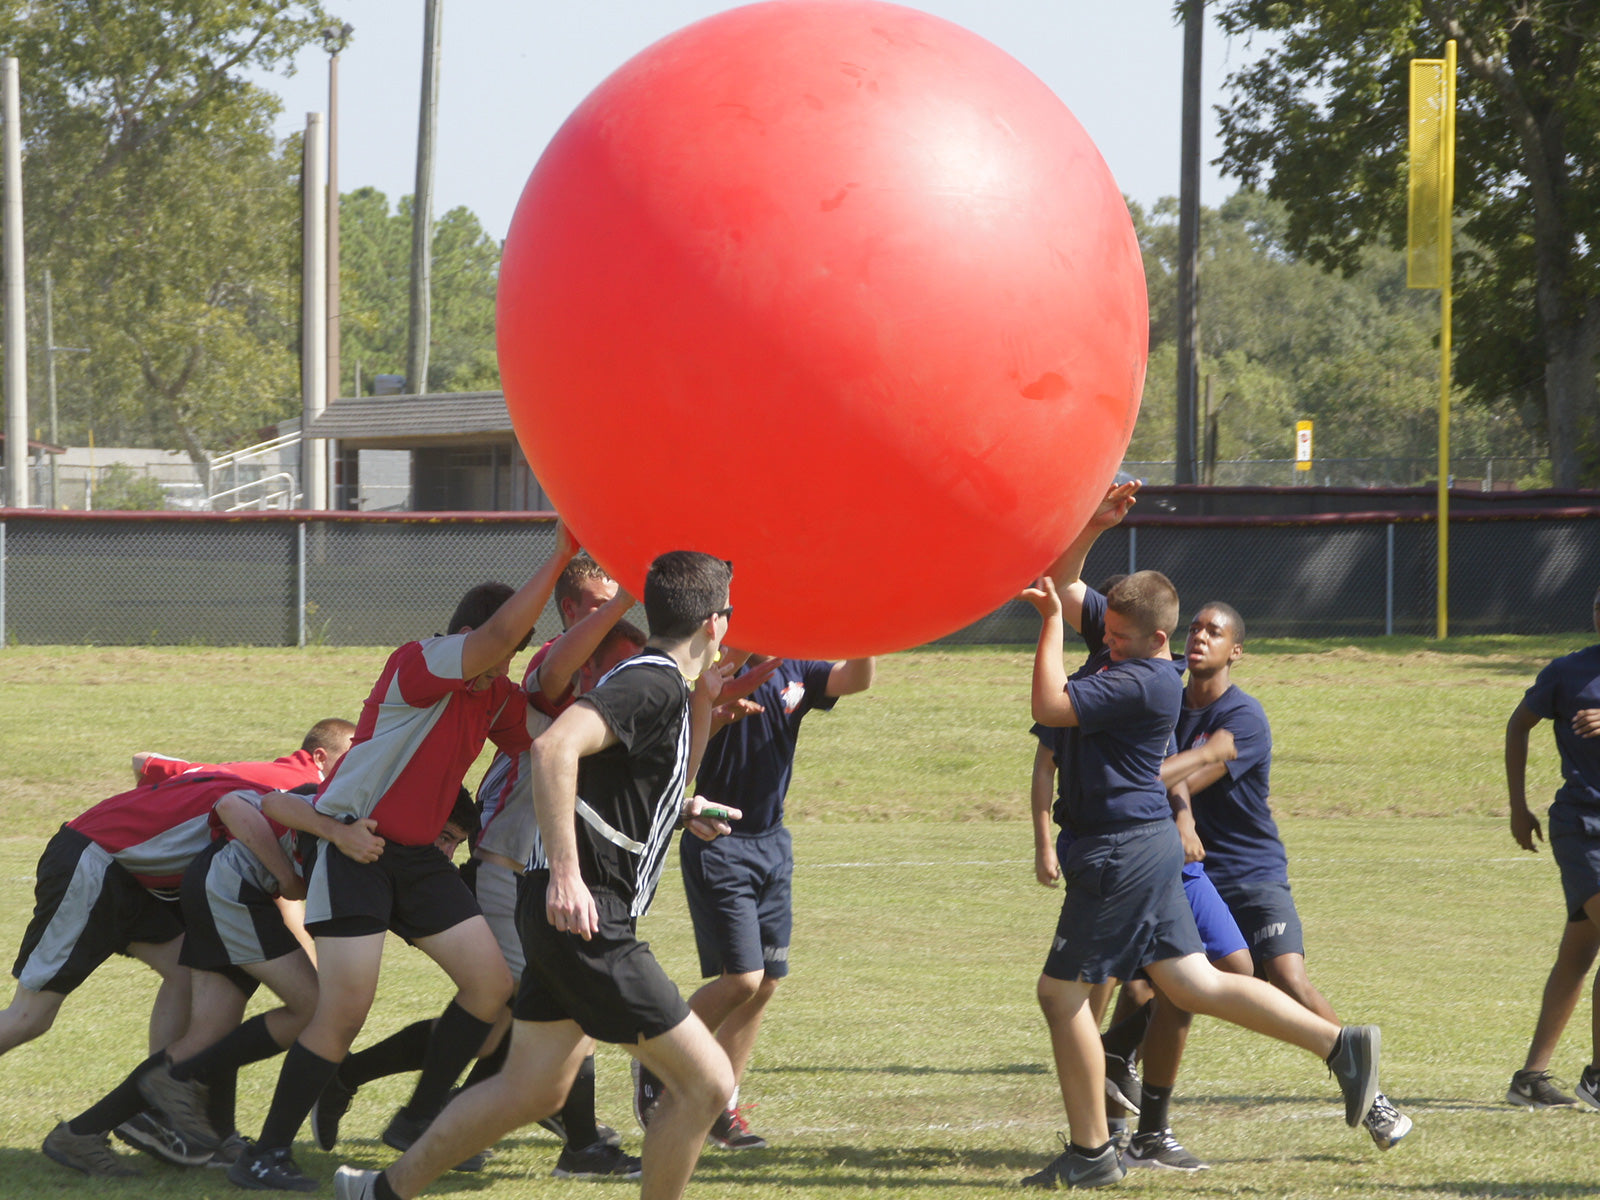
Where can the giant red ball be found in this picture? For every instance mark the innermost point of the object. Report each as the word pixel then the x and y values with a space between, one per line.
pixel 838 291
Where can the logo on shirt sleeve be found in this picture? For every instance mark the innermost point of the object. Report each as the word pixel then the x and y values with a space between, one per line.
pixel 793 692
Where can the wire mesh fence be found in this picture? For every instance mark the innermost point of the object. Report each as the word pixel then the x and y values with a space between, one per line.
pixel 346 579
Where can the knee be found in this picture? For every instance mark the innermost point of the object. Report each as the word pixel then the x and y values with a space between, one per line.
pixel 1058 1008
pixel 744 987
pixel 709 1092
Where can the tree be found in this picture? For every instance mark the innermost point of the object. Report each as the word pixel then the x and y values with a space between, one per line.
pixel 1321 117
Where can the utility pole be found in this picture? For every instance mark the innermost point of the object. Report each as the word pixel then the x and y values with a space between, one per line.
pixel 1189 245
pixel 313 321
pixel 50 352
pixel 16 341
pixel 422 209
pixel 334 38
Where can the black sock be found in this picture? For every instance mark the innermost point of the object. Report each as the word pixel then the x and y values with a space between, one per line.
pixel 577 1114
pixel 1153 1108
pixel 120 1104
pixel 300 1082
pixel 1338 1045
pixel 396 1054
pixel 222 1100
pixel 1123 1038
pixel 381 1189
pixel 489 1065
pixel 1095 1153
pixel 456 1038
pixel 250 1042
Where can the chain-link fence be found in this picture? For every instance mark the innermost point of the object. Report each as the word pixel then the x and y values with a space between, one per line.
pixel 288 579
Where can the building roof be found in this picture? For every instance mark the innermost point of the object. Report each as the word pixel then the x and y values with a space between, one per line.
pixel 398 422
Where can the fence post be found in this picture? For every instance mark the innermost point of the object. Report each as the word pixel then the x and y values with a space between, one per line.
pixel 2 585
pixel 1388 580
pixel 1133 550
pixel 300 582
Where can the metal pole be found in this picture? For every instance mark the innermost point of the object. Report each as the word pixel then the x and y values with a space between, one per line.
pixel 422 210
pixel 1388 580
pixel 2 585
pixel 50 374
pixel 1442 591
pixel 313 325
pixel 1189 245
pixel 300 582
pixel 16 338
pixel 1133 549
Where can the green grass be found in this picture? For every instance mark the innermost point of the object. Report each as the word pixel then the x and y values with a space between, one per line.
pixel 906 1054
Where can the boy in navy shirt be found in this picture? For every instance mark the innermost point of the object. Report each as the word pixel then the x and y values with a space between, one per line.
pixel 1566 693
pixel 1125 906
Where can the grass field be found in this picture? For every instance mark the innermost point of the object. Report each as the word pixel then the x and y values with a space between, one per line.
pixel 906 1053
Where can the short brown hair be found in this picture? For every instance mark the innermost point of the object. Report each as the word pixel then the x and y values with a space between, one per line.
pixel 622 633
pixel 329 735
pixel 1148 599
pixel 574 575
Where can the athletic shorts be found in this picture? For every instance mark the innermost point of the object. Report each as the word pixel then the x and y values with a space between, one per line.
pixel 741 899
pixel 1575 843
pixel 87 907
pixel 611 985
pixel 1124 906
pixel 414 890
pixel 231 921
pixel 1219 932
pixel 1267 918
pixel 495 886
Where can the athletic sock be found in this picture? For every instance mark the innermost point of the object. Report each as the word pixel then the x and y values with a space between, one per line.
pixel 1153 1108
pixel 250 1042
pixel 120 1104
pixel 1094 1153
pixel 456 1038
pixel 1338 1045
pixel 577 1114
pixel 1123 1038
pixel 222 1100
pixel 397 1054
pixel 381 1189
pixel 300 1082
pixel 489 1065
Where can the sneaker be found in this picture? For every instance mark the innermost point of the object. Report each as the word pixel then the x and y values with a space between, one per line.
pixel 232 1149
pixel 274 1170
pixel 1161 1150
pixel 405 1129
pixel 1354 1063
pixel 732 1132
pixel 1537 1089
pixel 90 1153
pixel 181 1105
pixel 352 1183
pixel 598 1160
pixel 1589 1086
pixel 1386 1123
pixel 1122 1084
pixel 329 1110
pixel 647 1091
pixel 145 1132
pixel 1073 1169
pixel 1121 1134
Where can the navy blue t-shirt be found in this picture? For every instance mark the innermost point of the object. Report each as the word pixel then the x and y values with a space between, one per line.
pixel 1232 816
pixel 748 764
pixel 1566 685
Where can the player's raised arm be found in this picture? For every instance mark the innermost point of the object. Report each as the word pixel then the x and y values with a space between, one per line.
pixel 1052 705
pixel 1067 571
pixel 1524 825
pixel 498 637
pixel 851 676
pixel 572 649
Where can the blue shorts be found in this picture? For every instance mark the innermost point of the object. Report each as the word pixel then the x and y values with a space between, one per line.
pixel 1125 905
pixel 1267 917
pixel 1218 930
pixel 1575 844
pixel 741 899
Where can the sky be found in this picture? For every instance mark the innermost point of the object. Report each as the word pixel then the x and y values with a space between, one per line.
pixel 511 71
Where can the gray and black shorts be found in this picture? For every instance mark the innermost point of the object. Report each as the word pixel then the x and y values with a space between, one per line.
pixel 414 890
pixel 232 922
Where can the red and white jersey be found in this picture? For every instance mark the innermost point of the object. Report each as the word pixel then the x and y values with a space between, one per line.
pixel 156 829
pixel 281 774
pixel 421 728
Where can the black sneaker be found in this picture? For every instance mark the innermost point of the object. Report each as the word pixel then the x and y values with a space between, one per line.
pixel 1122 1084
pixel 647 1092
pixel 145 1132
pixel 1161 1150
pixel 1354 1063
pixel 270 1171
pixel 732 1132
pixel 1073 1169
pixel 598 1160
pixel 329 1110
pixel 1589 1086
pixel 90 1153
pixel 404 1129
pixel 1537 1089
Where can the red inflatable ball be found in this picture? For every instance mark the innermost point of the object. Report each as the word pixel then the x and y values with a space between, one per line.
pixel 838 291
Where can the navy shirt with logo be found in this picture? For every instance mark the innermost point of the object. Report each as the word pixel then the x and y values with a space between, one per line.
pixel 1233 816
pixel 748 764
pixel 1570 683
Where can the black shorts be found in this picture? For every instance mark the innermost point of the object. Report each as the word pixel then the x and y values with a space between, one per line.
pixel 1125 905
pixel 231 921
pixel 414 890
pixel 87 907
pixel 1267 918
pixel 741 898
pixel 611 985
pixel 1575 845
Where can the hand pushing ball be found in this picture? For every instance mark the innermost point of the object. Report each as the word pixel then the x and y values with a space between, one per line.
pixel 838 291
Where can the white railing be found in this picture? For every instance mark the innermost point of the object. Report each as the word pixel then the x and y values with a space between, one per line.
pixel 281 498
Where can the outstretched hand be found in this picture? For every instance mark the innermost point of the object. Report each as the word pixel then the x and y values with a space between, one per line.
pixel 1119 498
pixel 1042 595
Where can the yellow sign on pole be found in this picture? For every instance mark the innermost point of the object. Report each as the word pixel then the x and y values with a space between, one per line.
pixel 1302 445
pixel 1431 201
